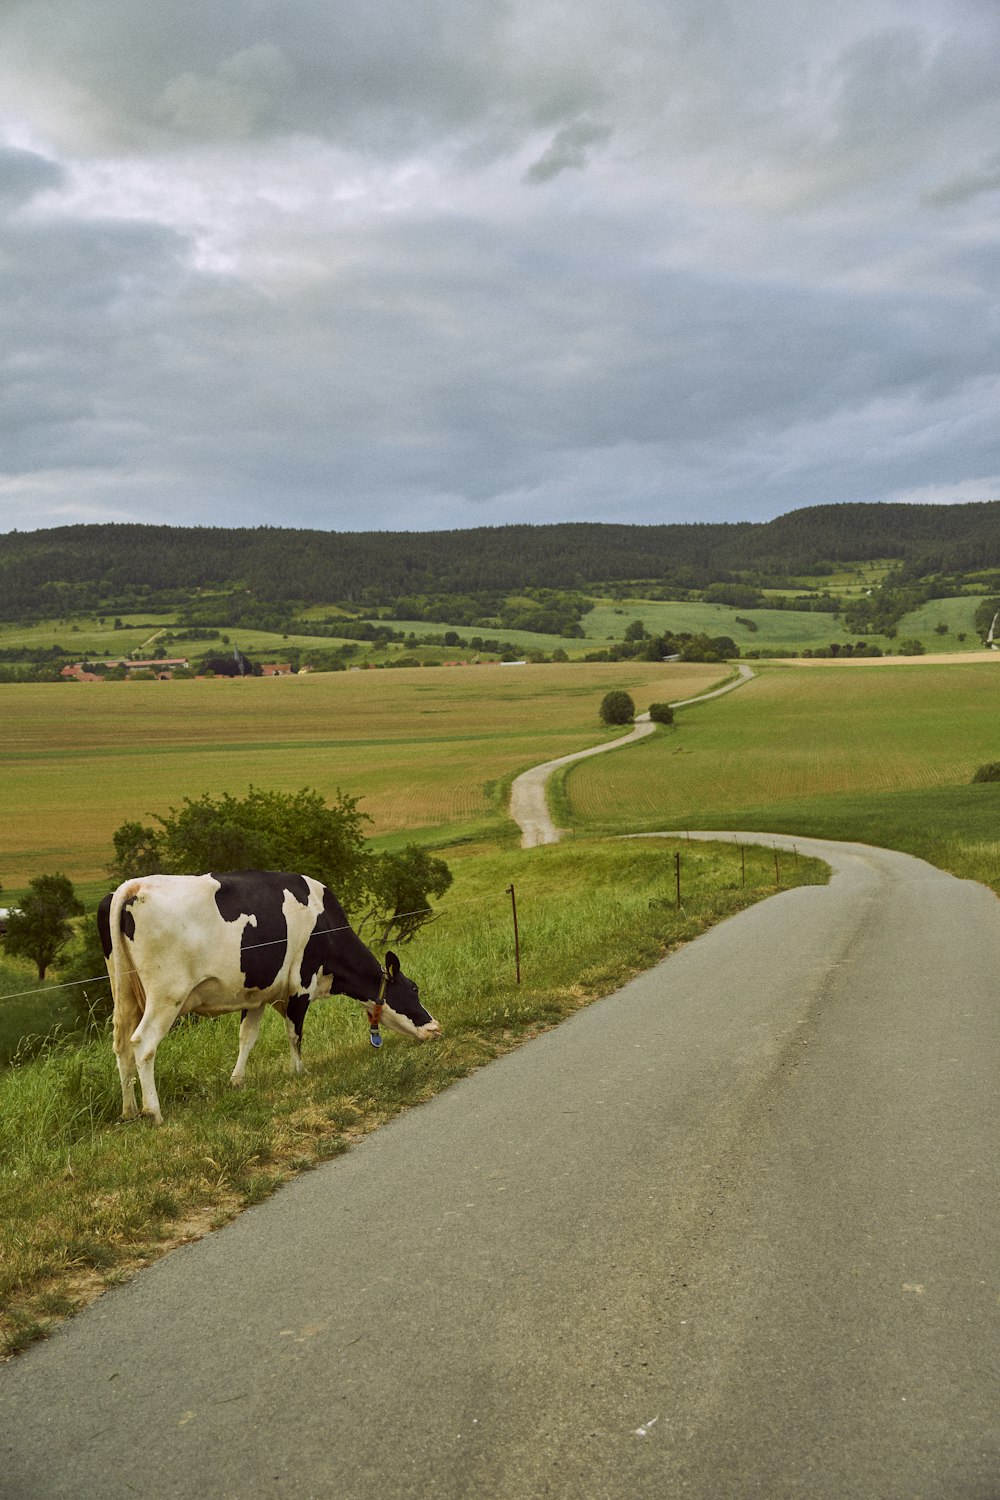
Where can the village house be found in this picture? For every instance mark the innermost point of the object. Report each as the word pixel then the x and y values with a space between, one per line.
pixel 164 669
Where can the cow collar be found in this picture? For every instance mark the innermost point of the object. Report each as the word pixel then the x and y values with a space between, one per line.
pixel 374 1035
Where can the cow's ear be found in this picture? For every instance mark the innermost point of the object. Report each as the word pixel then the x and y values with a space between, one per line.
pixel 392 965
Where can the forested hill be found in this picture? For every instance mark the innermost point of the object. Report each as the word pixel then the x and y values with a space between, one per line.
pixel 45 573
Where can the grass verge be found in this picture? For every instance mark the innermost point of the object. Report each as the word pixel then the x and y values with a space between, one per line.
pixel 85 1199
pixel 956 828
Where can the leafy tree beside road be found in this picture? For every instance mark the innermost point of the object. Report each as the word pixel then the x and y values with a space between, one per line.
pixel 40 929
pixel 297 831
pixel 617 707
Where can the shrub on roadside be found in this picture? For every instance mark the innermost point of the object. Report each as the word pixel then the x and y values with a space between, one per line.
pixel 617 707
pixel 661 713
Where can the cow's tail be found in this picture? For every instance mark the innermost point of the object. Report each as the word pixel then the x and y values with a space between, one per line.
pixel 127 993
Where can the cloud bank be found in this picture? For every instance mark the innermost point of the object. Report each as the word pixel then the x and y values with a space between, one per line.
pixel 419 266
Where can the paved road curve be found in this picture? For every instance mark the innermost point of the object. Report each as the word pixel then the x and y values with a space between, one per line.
pixel 733 1232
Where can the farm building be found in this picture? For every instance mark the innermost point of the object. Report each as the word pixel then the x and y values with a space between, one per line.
pixel 80 671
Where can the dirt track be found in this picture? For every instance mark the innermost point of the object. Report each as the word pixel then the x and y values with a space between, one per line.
pixel 939 659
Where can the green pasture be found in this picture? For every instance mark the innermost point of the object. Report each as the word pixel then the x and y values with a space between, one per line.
pixel 882 752
pixel 429 753
pixel 959 614
pixel 87 637
pixel 847 579
pixel 36 1014
pixel 777 629
pixel 86 634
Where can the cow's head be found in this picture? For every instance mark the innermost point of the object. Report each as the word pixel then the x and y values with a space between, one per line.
pixel 398 1005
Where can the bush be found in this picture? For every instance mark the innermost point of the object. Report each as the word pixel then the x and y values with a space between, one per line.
pixel 617 707
pixel 661 713
pixel 989 772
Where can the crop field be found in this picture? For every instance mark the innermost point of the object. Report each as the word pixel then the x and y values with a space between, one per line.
pixel 424 750
pixel 797 733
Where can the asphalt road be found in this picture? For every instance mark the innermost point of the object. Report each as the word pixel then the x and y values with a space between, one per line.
pixel 733 1232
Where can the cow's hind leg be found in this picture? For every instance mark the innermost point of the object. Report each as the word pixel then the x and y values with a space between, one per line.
pixel 295 1017
pixel 249 1027
pixel 125 1058
pixel 127 1016
pixel 157 1020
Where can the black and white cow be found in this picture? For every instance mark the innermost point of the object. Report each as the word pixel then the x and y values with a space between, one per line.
pixel 206 944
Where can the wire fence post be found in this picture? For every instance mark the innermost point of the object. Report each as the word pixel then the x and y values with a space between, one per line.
pixel 777 867
pixel 677 877
pixel 743 864
pixel 517 937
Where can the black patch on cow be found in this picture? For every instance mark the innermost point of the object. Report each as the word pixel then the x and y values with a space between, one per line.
pixel 296 1012
pixel 326 942
pixel 260 894
pixel 127 921
pixel 104 925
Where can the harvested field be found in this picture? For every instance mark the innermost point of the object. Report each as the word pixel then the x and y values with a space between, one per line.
pixel 424 750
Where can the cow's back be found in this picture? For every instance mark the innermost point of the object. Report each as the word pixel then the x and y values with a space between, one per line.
pixel 216 942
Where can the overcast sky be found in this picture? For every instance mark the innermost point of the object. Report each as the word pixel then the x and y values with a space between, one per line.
pixel 413 264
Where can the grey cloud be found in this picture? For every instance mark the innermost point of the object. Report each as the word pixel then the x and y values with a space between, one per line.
pixel 292 264
pixel 964 189
pixel 238 100
pixel 24 174
pixel 569 149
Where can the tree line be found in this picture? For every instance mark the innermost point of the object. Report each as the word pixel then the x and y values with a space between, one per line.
pixel 265 571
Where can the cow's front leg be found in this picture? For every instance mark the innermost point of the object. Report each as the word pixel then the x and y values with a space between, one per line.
pixel 249 1027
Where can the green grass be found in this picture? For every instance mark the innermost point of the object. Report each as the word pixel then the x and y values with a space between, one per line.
pixel 883 753
pixel 959 614
pixel 85 1198
pixel 37 1014
pixel 777 629
pixel 956 828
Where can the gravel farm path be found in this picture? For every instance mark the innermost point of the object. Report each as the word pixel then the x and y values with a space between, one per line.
pixel 529 808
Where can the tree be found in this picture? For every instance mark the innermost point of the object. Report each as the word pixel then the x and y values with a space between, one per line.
pixel 137 852
pixel 289 831
pixel 41 929
pixel 617 707
pixel 661 713
pixel 989 772
pixel 402 885
pixel 294 831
